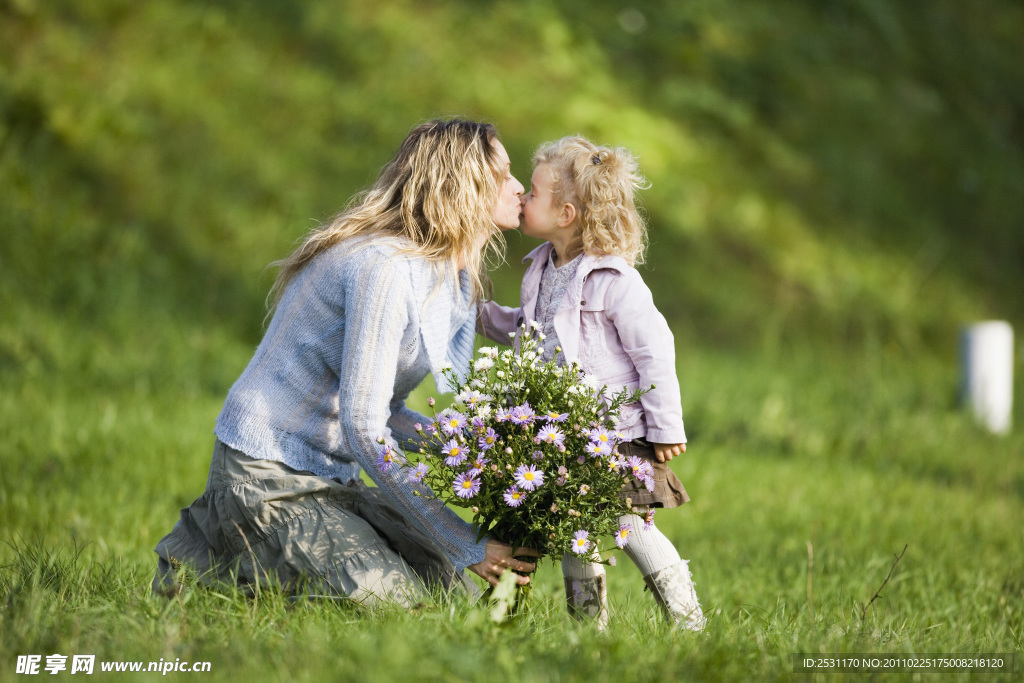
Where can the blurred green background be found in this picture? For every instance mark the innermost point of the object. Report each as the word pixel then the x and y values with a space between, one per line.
pixel 837 187
pixel 842 172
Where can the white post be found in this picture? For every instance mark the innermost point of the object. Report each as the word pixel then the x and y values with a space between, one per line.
pixel 987 357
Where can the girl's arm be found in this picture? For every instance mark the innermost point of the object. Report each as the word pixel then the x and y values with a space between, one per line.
pixel 647 340
pixel 666 451
pixel 497 322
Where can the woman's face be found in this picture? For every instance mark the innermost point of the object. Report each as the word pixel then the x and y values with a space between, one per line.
pixel 506 211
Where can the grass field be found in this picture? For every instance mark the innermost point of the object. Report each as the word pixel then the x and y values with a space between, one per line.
pixel 806 486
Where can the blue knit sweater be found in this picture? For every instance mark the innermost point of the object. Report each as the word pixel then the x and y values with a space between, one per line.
pixel 354 333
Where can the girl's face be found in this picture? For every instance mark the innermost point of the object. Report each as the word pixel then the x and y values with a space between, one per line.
pixel 506 211
pixel 540 215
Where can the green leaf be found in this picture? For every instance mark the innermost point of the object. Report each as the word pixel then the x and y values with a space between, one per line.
pixel 503 597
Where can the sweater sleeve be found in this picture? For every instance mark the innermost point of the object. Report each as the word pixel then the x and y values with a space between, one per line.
pixel 377 312
pixel 402 424
pixel 647 339
pixel 497 322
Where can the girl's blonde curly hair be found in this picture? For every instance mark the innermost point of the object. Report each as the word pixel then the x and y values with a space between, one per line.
pixel 438 192
pixel 601 183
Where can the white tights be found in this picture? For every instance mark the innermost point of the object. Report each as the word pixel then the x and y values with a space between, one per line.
pixel 649 549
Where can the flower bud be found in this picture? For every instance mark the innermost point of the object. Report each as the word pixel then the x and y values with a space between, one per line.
pixel 431 401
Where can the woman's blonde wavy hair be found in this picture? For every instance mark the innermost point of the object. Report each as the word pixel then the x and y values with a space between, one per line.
pixel 601 183
pixel 438 192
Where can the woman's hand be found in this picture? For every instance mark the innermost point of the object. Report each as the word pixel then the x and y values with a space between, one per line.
pixel 500 556
pixel 666 451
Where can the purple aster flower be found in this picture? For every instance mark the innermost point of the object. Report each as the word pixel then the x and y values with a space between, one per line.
pixel 561 481
pixel 453 422
pixel 598 449
pixel 456 453
pixel 514 497
pixel 622 537
pixel 649 519
pixel 584 490
pixel 523 415
pixel 612 561
pixel 478 423
pixel 562 471
pixel 552 416
pixel 502 414
pixel 600 435
pixel 529 477
pixel 478 465
pixel 417 473
pixel 649 483
pixel 550 434
pixel 581 542
pixel 487 439
pixel 472 398
pixel 636 465
pixel 646 471
pixel 538 455
pixel 466 485
pixel 387 458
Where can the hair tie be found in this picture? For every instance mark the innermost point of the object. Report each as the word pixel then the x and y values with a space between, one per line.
pixel 596 159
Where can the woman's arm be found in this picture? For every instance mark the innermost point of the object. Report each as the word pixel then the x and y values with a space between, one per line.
pixel 379 306
pixel 402 424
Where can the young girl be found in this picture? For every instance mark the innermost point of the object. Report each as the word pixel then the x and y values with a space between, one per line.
pixel 594 308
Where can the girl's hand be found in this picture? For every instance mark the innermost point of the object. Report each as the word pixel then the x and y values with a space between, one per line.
pixel 500 556
pixel 666 451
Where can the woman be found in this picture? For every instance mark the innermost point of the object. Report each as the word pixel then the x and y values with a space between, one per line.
pixel 364 308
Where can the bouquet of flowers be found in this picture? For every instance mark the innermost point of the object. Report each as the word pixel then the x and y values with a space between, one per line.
pixel 530 448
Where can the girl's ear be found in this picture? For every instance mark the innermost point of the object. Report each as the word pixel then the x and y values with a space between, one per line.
pixel 568 215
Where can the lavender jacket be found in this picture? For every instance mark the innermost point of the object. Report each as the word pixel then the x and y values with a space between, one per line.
pixel 608 323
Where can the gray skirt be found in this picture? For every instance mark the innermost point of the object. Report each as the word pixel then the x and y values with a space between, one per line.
pixel 261 522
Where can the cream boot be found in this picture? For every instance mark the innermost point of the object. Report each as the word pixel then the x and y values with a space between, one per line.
pixel 673 588
pixel 587 599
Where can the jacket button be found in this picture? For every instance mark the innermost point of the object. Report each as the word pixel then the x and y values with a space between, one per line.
pixel 583 303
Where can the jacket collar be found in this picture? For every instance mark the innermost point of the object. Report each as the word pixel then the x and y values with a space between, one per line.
pixel 589 263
